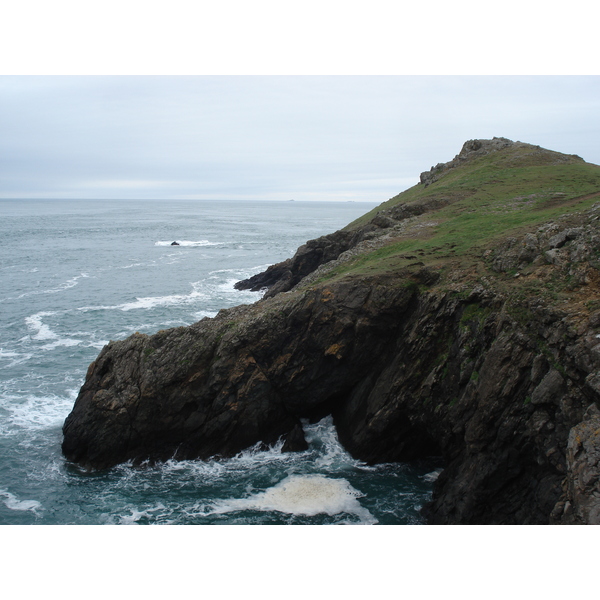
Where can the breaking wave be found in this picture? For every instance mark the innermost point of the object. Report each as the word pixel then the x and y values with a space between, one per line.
pixel 188 243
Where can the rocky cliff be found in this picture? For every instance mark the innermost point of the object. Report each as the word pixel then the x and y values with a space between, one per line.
pixel 459 319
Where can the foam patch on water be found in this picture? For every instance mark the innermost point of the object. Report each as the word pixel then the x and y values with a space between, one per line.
pixel 13 503
pixel 151 302
pixel 322 438
pixel 205 313
pixel 306 495
pixel 202 291
pixel 135 516
pixel 431 477
pixel 40 330
pixel 37 412
pixel 187 243
pixel 59 288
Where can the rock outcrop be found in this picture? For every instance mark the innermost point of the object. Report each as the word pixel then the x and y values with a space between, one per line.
pixel 493 366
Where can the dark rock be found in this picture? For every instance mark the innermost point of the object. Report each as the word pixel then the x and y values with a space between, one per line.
pixel 308 258
pixel 224 384
pixel 550 390
pixel 470 149
pixel 295 440
pixel 558 240
pixel 582 502
pixel 174 244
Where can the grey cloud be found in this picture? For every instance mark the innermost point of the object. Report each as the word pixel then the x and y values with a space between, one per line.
pixel 353 137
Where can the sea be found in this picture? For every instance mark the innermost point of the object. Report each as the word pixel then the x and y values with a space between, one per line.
pixel 75 274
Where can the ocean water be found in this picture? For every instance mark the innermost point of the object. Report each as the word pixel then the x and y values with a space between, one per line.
pixel 76 274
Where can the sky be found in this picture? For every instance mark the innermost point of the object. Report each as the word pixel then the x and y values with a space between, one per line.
pixel 360 138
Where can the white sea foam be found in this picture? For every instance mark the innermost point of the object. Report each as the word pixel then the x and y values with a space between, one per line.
pixel 61 342
pixel 13 503
pixel 431 477
pixel 41 331
pixel 154 301
pixel 19 357
pixel 332 456
pixel 187 243
pixel 202 291
pixel 149 302
pixel 60 288
pixel 136 515
pixel 205 313
pixel 35 412
pixel 306 495
pixel 243 273
pixel 99 344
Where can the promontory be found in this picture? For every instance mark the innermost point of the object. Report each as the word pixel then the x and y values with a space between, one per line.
pixel 459 319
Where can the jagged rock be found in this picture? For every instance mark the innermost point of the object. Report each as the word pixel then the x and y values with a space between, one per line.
pixel 550 390
pixel 582 503
pixel 308 258
pixel 295 440
pixel 223 384
pixel 558 240
pixel 470 149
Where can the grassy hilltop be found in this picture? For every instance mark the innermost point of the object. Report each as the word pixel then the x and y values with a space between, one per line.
pixel 471 206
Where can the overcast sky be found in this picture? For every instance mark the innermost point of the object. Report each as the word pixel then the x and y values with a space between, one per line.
pixel 271 137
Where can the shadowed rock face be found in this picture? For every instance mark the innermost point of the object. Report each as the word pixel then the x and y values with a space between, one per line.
pixel 405 374
pixel 505 390
pixel 224 384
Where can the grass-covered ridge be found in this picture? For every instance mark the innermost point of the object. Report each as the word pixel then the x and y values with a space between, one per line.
pixel 484 199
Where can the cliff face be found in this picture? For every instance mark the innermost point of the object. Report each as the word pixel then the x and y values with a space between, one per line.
pixel 461 319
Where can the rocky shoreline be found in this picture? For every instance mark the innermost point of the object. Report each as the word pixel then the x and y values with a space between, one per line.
pixel 469 363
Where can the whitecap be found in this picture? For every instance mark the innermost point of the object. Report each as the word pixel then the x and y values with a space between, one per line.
pixel 305 495
pixel 13 503
pixel 33 412
pixel 154 301
pixel 202 291
pixel 187 243
pixel 67 342
pixel 431 477
pixel 99 345
pixel 41 330
pixel 243 273
pixel 322 436
pixel 60 288
pixel 136 515
pixel 151 302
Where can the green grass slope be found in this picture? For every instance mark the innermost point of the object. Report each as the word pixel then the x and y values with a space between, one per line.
pixel 487 198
